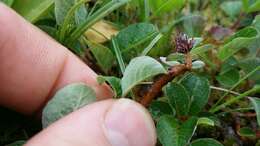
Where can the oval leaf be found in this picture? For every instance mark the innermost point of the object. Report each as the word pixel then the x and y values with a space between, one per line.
pixel 199 90
pixel 160 108
pixel 67 100
pixel 205 142
pixel 138 70
pixel 179 98
pixel 171 133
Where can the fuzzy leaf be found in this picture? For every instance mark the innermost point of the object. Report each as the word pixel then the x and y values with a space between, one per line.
pixel 179 98
pixel 206 142
pixel 198 89
pixel 198 64
pixel 138 70
pixel 66 100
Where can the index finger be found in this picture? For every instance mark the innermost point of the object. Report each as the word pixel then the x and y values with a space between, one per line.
pixel 33 66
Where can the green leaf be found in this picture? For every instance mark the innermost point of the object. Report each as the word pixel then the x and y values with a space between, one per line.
pixel 178 98
pixel 206 142
pixel 162 6
pixel 199 90
pixel 201 49
pixel 231 8
pixel 62 8
pixel 242 39
pixel 249 65
pixel 194 26
pixel 103 55
pixel 66 100
pixel 205 121
pixel 114 82
pixel 32 10
pixel 251 6
pixel 171 133
pixel 134 35
pixel 256 104
pixel 228 78
pixel 8 2
pixel 246 132
pixel 138 70
pixel 17 143
pixel 160 108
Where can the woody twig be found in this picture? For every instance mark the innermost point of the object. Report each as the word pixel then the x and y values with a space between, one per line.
pixel 183 45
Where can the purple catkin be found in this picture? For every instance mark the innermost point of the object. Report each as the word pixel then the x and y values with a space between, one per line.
pixel 183 44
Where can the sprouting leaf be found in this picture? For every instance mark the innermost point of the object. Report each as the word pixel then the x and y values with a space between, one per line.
pixel 198 64
pixel 114 82
pixel 205 121
pixel 103 55
pixel 135 35
pixel 231 8
pixel 17 143
pixel 172 133
pixel 32 10
pixel 178 98
pixel 199 90
pixel 138 70
pixel 160 108
pixel 8 2
pixel 66 100
pixel 228 78
pixel 242 39
pixel 206 142
pixel 246 132
pixel 256 104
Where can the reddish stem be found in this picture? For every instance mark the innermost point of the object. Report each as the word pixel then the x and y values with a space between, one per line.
pixel 164 79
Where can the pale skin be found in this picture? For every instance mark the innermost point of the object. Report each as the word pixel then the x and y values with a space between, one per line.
pixel 33 67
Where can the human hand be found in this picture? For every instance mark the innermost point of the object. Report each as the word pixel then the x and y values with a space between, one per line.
pixel 33 67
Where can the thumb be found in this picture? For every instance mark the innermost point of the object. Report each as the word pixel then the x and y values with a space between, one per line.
pixel 106 123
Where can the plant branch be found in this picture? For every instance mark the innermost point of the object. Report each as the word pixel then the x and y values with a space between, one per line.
pixel 164 79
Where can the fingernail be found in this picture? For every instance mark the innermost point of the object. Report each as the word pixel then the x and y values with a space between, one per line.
pixel 129 124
